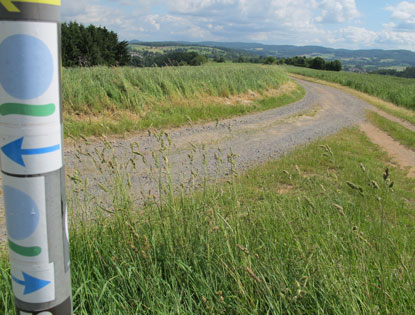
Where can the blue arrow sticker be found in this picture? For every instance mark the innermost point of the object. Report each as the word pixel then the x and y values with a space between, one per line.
pixel 14 151
pixel 30 283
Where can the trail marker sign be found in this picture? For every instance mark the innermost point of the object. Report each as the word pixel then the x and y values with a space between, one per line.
pixel 31 153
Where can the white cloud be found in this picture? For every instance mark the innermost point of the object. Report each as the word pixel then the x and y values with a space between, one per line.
pixel 358 36
pixel 403 15
pixel 73 8
pixel 337 11
pixel 402 40
pixel 298 22
pixel 199 6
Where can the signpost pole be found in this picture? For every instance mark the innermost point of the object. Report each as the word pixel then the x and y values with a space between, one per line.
pixel 31 143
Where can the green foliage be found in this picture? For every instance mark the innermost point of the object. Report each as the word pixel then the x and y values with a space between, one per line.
pixel 177 58
pixel 400 91
pixel 317 63
pixel 91 46
pixel 335 65
pixel 219 59
pixel 270 60
pixel 199 60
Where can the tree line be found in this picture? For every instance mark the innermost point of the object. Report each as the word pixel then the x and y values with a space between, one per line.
pixel 317 63
pixel 91 46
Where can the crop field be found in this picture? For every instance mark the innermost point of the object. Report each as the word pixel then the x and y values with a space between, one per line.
pixel 116 100
pixel 400 91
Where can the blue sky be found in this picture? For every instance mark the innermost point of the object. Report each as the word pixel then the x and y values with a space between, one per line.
pixel 353 24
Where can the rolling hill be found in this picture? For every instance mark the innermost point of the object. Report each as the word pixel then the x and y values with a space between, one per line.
pixel 366 60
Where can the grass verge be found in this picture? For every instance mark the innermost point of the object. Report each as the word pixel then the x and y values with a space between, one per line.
pixel 324 230
pixel 395 130
pixel 114 101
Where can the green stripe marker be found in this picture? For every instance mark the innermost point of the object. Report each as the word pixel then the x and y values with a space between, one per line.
pixel 27 110
pixel 25 251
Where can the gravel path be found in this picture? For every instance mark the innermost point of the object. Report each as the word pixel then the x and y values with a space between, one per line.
pixel 204 151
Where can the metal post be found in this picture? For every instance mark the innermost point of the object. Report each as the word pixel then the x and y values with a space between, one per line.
pixel 31 142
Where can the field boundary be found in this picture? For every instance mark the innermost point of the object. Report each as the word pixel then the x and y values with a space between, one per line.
pixel 403 156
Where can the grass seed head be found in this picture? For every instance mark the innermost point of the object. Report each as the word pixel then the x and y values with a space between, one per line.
pixel 363 168
pixel 252 274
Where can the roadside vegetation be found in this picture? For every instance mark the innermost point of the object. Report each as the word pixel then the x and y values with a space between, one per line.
pixel 395 130
pixel 399 91
pixel 327 229
pixel 101 100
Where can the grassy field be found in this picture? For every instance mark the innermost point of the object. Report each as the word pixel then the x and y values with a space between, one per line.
pixel 117 100
pixel 400 91
pixel 324 230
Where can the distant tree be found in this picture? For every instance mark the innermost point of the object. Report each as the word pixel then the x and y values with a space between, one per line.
pixel 136 61
pixel 333 65
pixel 318 63
pixel 220 59
pixel 409 72
pixel 270 60
pixel 174 58
pixel 241 59
pixel 299 61
pixel 199 60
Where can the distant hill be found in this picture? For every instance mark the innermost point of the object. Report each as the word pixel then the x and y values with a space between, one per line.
pixel 148 50
pixel 366 60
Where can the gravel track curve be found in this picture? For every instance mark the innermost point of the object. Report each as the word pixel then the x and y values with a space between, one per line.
pixel 203 150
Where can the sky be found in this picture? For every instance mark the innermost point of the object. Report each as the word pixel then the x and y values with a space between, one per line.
pixel 350 24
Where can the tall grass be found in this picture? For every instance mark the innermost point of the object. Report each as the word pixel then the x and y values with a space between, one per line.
pixel 325 230
pixel 400 91
pixel 115 100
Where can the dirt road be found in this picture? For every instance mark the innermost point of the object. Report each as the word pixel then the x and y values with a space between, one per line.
pixel 198 151
pixel 204 150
